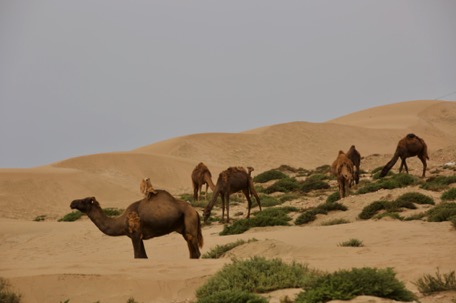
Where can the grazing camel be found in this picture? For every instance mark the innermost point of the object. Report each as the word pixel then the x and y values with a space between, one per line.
pixel 409 146
pixel 342 168
pixel 231 181
pixel 355 157
pixel 146 188
pixel 200 176
pixel 148 218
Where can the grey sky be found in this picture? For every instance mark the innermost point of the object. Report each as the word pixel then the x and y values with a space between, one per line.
pixel 82 77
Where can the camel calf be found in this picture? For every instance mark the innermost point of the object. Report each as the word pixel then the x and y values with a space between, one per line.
pixel 146 188
pixel 342 168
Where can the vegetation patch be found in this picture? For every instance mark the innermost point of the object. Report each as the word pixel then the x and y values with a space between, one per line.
pixel 71 217
pixel 313 184
pixel 395 181
pixel 220 250
pixel 40 218
pixel 6 294
pixel 438 183
pixel 232 296
pixel 348 284
pixel 333 197
pixel 311 214
pixel 113 212
pixel 415 197
pixel 442 212
pixel 287 197
pixel 283 185
pixel 352 243
pixel 392 207
pixel 335 222
pixel 429 284
pixel 269 175
pixel 268 201
pixel 256 275
pixel 449 195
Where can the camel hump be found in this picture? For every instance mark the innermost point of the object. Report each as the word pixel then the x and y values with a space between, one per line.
pixel 411 136
pixel 341 152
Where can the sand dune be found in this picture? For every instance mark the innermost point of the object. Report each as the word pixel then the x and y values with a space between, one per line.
pixel 52 261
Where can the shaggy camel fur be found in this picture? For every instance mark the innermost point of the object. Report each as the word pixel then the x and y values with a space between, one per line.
pixel 342 168
pixel 148 218
pixel 200 176
pixel 409 146
pixel 355 157
pixel 231 181
pixel 146 188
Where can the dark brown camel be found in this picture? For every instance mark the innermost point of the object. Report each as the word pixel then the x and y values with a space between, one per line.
pixel 355 157
pixel 158 215
pixel 410 146
pixel 230 181
pixel 342 168
pixel 200 176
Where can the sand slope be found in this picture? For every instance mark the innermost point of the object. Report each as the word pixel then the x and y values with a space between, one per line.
pixel 52 262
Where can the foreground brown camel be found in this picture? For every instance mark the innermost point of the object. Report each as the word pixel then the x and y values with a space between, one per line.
pixel 159 215
pixel 146 188
pixel 231 181
pixel 200 176
pixel 342 168
pixel 409 146
pixel 355 157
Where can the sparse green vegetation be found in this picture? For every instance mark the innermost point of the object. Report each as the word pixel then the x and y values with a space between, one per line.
pixel 283 185
pixel 429 284
pixel 232 296
pixel 268 201
pixel 257 275
pixel 219 250
pixel 449 195
pixel 71 217
pixel 415 197
pixel 288 197
pixel 333 197
pixel 112 212
pixel 269 175
pixel 395 181
pixel 40 218
pixel 392 207
pixel 438 183
pixel 313 184
pixel 311 214
pixel 352 243
pixel 442 212
pixel 335 222
pixel 6 295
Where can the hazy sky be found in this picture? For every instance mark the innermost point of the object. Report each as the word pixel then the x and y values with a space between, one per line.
pixel 89 76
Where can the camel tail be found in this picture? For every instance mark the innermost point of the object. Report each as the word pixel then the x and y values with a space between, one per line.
pixel 389 165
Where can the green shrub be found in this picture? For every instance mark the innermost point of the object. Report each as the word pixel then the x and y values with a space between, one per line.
pixel 257 275
pixel 112 212
pixel 40 218
pixel 438 183
pixel 453 221
pixel 283 185
pixel 313 184
pixel 236 228
pixel 333 197
pixel 6 295
pixel 415 197
pixel 287 197
pixel 442 212
pixel 324 169
pixel 352 243
pixel 418 216
pixel 429 284
pixel 232 296
pixel 219 250
pixel 396 181
pixel 306 217
pixel 347 284
pixel 269 175
pixel 71 217
pixel 449 195
pixel 268 201
pixel 372 209
pixel 327 207
pixel 392 215
pixel 335 222
pixel 311 214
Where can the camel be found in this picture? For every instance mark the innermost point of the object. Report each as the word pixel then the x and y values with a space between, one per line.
pixel 200 176
pixel 231 181
pixel 146 188
pixel 342 168
pixel 409 146
pixel 148 218
pixel 355 157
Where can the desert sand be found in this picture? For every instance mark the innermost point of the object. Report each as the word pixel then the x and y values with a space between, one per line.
pixel 52 261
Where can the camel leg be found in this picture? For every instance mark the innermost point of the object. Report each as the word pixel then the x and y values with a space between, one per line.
pixel 249 201
pixel 138 247
pixel 192 243
pixel 228 208
pixel 223 207
pixel 423 160
pixel 195 192
pixel 205 194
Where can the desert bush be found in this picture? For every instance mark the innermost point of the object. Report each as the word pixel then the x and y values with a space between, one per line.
pixel 113 212
pixel 268 201
pixel 313 184
pixel 418 216
pixel 40 218
pixel 274 216
pixel 306 217
pixel 324 169
pixel 415 197
pixel 352 243
pixel 232 296
pixel 372 209
pixel 449 195
pixel 283 185
pixel 392 215
pixel 442 212
pixel 438 183
pixel 287 197
pixel 396 181
pixel 269 175
pixel 333 197
pixel 335 222
pixel 219 250
pixel 347 284
pixel 391 207
pixel 6 295
pixel 71 217
pixel 257 275
pixel 311 214
pixel 429 284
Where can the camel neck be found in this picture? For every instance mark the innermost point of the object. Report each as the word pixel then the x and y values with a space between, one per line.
pixel 109 226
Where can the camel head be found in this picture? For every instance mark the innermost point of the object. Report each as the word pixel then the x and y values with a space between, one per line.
pixel 84 205
pixel 206 215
